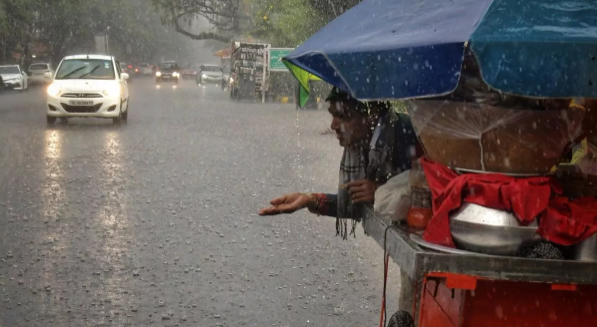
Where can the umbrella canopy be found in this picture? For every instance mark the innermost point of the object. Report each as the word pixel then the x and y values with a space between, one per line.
pixel 397 49
pixel 224 53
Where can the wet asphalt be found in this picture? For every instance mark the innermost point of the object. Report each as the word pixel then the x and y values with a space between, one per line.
pixel 153 222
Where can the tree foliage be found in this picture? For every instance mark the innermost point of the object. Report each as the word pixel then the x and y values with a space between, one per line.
pixel 285 23
pixel 330 9
pixel 288 23
pixel 70 25
pixel 223 15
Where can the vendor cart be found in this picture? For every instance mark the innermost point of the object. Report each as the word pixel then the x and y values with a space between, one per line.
pixel 476 52
pixel 470 290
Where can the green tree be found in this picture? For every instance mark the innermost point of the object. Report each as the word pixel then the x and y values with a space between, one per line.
pixel 224 15
pixel 70 25
pixel 330 9
pixel 15 22
pixel 286 23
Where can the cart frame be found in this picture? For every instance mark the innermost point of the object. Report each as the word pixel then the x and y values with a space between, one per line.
pixel 445 284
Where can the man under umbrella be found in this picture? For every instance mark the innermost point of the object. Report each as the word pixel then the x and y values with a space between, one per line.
pixel 378 144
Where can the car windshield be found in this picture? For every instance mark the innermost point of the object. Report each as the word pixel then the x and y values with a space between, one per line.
pixel 168 66
pixel 9 70
pixel 212 69
pixel 38 67
pixel 144 65
pixel 86 69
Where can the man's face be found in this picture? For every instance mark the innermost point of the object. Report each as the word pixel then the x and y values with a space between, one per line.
pixel 351 128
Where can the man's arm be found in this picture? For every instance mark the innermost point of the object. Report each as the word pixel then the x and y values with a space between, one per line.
pixel 324 204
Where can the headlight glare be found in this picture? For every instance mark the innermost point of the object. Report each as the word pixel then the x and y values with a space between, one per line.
pixel 53 90
pixel 158 74
pixel 112 90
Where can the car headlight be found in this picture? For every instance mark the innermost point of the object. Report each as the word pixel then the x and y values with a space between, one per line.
pixel 112 90
pixel 175 74
pixel 158 74
pixel 204 75
pixel 53 90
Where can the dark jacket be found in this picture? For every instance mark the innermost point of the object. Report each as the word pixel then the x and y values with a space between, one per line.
pixel 406 147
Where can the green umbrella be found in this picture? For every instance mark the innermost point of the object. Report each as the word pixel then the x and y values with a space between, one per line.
pixel 303 77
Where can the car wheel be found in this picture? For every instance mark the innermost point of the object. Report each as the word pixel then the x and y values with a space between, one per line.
pixel 50 120
pixel 401 319
pixel 117 120
pixel 125 115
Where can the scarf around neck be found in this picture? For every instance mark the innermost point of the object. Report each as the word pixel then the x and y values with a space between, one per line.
pixel 371 161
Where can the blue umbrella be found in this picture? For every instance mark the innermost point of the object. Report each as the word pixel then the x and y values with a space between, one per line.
pixel 398 49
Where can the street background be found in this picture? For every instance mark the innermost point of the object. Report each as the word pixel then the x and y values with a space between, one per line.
pixel 154 222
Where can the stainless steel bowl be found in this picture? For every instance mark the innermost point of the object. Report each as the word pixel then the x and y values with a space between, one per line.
pixel 587 249
pixel 484 230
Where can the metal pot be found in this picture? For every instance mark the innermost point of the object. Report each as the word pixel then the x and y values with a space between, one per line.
pixel 484 230
pixel 587 249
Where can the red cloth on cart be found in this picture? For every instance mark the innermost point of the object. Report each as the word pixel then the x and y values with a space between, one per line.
pixel 568 221
pixel 562 221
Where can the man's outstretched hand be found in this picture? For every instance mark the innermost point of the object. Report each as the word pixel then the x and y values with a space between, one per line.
pixel 287 203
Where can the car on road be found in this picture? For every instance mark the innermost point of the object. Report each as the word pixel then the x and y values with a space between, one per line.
pixel 88 86
pixel 146 69
pixel 167 71
pixel 37 72
pixel 14 77
pixel 208 73
pixel 128 70
pixel 189 72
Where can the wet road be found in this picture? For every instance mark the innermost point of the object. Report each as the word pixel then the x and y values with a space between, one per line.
pixel 153 223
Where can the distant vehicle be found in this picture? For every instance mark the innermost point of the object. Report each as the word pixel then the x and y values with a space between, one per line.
pixel 167 71
pixel 88 86
pixel 208 73
pixel 37 72
pixel 146 69
pixel 135 69
pixel 247 72
pixel 189 72
pixel 128 70
pixel 14 77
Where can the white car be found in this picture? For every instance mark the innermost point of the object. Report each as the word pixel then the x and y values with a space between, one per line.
pixel 146 69
pixel 37 72
pixel 14 77
pixel 88 86
pixel 209 74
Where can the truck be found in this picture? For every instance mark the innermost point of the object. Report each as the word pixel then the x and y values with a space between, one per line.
pixel 249 70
